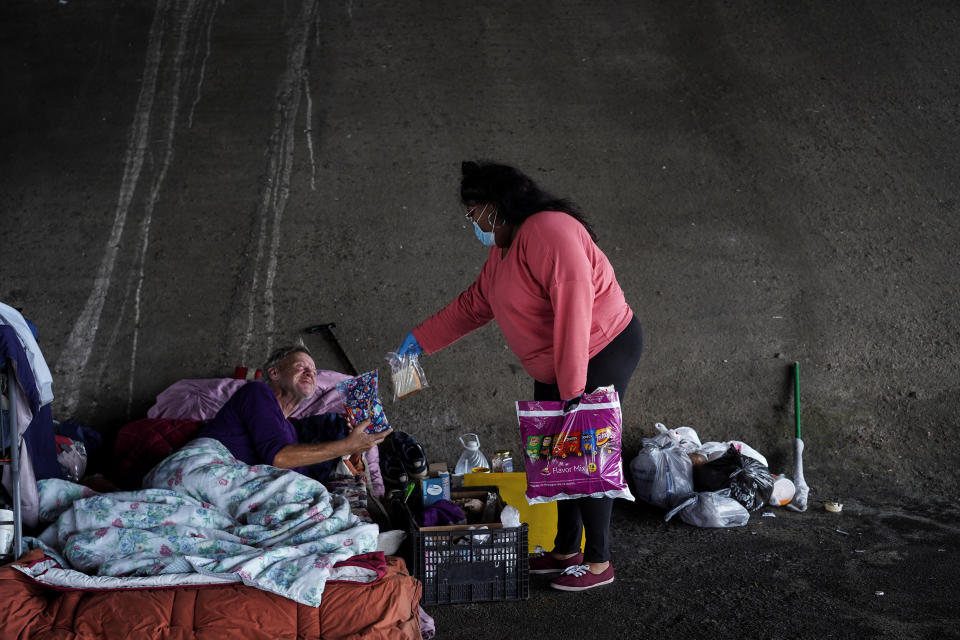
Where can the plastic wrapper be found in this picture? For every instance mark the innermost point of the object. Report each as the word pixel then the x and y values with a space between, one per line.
pixel 575 454
pixel 750 482
pixel 361 401
pixel 406 374
pixel 685 437
pixel 715 509
pixel 713 450
pixel 73 460
pixel 662 473
pixel 510 516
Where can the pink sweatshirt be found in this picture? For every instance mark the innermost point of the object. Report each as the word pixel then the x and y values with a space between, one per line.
pixel 554 295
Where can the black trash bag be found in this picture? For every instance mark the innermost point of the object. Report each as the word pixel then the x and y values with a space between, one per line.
pixel 749 481
pixel 715 475
pixel 752 486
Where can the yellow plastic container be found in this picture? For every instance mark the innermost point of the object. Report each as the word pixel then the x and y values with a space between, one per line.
pixel 541 517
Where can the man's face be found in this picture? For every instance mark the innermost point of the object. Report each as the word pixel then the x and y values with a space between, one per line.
pixel 297 375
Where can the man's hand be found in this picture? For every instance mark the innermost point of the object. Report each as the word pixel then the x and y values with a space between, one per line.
pixel 359 440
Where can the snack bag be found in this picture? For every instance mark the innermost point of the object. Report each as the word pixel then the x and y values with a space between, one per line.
pixel 579 453
pixel 361 401
pixel 534 443
pixel 406 374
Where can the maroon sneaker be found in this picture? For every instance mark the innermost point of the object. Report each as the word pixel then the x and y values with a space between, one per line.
pixel 546 563
pixel 579 578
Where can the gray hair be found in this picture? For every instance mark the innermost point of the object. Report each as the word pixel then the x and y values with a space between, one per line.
pixel 278 355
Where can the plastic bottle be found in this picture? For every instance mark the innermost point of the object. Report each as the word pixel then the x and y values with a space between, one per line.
pixel 471 457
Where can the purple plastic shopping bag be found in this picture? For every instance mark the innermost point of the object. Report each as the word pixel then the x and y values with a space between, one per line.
pixel 573 455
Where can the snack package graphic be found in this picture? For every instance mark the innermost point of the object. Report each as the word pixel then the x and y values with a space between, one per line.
pixel 574 454
pixel 361 401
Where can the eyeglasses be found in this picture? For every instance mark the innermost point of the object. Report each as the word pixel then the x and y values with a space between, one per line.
pixel 472 211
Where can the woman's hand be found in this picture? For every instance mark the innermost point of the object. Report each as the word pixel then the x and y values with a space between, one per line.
pixel 571 404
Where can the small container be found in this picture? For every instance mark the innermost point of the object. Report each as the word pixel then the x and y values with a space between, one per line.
pixel 502 462
pixel 783 491
pixel 480 470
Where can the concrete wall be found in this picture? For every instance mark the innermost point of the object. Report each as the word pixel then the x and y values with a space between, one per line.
pixel 187 184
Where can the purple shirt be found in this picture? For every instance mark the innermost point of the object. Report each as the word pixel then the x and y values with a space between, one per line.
pixel 251 425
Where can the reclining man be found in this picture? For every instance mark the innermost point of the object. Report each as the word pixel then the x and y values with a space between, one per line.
pixel 254 424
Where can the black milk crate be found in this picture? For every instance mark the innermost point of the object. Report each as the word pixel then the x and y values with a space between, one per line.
pixel 457 564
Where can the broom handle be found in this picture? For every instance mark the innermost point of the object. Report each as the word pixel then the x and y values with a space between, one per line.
pixel 796 395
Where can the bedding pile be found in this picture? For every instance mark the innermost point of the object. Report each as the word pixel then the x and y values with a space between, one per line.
pixel 204 517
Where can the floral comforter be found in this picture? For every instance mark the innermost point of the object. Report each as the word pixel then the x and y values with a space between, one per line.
pixel 204 512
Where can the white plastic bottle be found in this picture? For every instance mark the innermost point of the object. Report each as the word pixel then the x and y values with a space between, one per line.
pixel 471 457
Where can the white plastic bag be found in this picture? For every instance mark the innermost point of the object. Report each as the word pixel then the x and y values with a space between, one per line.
pixel 713 450
pixel 711 509
pixel 662 472
pixel 510 516
pixel 686 437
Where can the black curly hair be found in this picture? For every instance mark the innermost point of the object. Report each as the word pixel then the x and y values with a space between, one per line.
pixel 516 195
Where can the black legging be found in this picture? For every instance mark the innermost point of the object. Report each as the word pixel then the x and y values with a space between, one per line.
pixel 614 364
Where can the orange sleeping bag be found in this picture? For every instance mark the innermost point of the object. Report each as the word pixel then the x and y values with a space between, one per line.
pixel 386 609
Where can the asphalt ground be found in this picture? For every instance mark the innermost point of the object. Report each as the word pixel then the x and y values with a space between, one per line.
pixel 874 570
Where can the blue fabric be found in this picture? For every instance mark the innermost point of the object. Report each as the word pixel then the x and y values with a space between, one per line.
pixel 33 328
pixel 10 353
pixel 39 436
pixel 11 349
pixel 42 445
pixel 4 430
pixel 26 333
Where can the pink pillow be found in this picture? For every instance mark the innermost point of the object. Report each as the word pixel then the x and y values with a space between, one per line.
pixel 201 399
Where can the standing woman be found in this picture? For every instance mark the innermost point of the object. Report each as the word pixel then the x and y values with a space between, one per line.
pixel 561 310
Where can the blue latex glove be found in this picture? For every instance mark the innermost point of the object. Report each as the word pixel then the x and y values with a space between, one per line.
pixel 410 346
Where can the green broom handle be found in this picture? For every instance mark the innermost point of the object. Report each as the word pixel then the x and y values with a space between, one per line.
pixel 796 395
